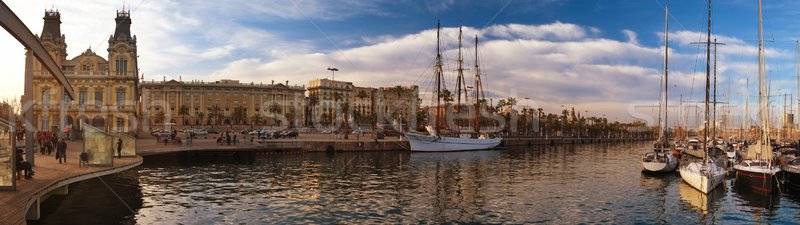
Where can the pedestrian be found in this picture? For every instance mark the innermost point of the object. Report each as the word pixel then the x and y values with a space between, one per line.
pixel 235 140
pixel 62 150
pixel 228 138
pixel 119 148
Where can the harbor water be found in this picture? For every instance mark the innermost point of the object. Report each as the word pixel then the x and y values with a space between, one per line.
pixel 568 184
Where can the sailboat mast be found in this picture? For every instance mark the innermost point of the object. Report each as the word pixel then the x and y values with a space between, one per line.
pixel 708 84
pixel 438 74
pixel 762 82
pixel 460 72
pixel 747 108
pixel 797 72
pixel 714 104
pixel 478 90
pixel 664 123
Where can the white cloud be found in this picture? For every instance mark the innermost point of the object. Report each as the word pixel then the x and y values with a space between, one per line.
pixel 631 36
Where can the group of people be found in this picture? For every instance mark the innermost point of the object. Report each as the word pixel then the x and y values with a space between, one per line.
pixel 49 142
pixel 226 137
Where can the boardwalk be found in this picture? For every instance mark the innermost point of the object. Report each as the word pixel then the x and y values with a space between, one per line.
pixel 50 177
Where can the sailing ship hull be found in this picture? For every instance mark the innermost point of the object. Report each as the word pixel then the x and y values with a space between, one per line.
pixel 702 178
pixel 759 179
pixel 428 143
pixel 659 162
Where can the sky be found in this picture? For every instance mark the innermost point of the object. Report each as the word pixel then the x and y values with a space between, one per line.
pixel 603 57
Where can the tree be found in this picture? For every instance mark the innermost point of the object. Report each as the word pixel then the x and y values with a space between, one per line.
pixel 290 115
pixel 199 115
pixel 313 101
pixel 239 114
pixel 183 111
pixel 160 117
pixel 274 109
pixel 257 118
pixel 215 113
pixel 345 108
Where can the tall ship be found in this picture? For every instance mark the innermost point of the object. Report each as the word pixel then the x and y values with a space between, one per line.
pixel 661 158
pixel 434 140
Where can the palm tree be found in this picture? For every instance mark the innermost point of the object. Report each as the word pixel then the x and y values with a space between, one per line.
pixel 257 118
pixel 359 116
pixel 275 109
pixel 290 114
pixel 345 108
pixel 200 115
pixel 239 114
pixel 183 111
pixel 336 97
pixel 160 117
pixel 215 113
pixel 313 101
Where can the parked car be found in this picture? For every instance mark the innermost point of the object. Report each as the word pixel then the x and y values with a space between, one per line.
pixel 212 131
pixel 288 134
pixel 199 132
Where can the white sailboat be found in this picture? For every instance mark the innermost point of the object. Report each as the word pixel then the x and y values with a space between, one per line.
pixel 704 175
pixel 758 169
pixel 434 141
pixel 661 158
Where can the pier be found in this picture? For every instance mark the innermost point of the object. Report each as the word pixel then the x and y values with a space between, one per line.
pixel 52 178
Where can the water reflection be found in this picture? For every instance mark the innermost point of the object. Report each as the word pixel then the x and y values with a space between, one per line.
pixel 599 183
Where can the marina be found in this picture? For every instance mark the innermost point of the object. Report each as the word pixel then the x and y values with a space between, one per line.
pixel 563 184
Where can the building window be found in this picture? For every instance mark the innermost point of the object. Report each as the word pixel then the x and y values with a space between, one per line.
pixel 83 96
pixel 120 97
pixel 120 124
pixel 122 65
pixel 45 123
pixel 98 96
pixel 46 97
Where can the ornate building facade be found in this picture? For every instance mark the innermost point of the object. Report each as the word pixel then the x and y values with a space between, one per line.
pixel 106 93
pixel 224 103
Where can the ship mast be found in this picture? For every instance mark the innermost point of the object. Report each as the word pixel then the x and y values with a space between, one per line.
pixel 662 137
pixel 708 84
pixel 762 89
pixel 478 92
pixel 438 74
pixel 460 83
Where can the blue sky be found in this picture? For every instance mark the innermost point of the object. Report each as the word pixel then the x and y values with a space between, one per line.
pixel 605 56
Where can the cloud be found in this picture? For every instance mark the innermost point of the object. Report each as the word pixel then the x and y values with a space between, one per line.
pixel 631 36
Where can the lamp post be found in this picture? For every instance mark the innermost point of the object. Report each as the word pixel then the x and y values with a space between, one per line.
pixel 333 88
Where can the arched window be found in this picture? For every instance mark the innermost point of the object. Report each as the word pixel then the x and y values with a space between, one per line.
pixel 46 96
pixel 122 65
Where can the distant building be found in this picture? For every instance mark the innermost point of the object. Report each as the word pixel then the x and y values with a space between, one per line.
pixel 224 102
pixel 106 93
pixel 368 104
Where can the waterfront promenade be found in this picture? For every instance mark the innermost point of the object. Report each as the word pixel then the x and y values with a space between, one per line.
pixel 52 178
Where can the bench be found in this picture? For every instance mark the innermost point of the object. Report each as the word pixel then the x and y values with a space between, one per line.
pixel 83 159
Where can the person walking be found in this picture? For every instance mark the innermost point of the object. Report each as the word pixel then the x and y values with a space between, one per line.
pixel 62 150
pixel 119 148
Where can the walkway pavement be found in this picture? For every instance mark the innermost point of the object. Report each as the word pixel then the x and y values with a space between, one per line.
pixel 49 173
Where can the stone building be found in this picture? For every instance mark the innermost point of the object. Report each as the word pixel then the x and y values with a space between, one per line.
pixel 106 94
pixel 224 102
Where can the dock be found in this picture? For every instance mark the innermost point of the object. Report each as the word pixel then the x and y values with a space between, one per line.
pixel 52 178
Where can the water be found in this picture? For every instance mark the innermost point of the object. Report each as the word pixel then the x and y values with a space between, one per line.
pixel 600 183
